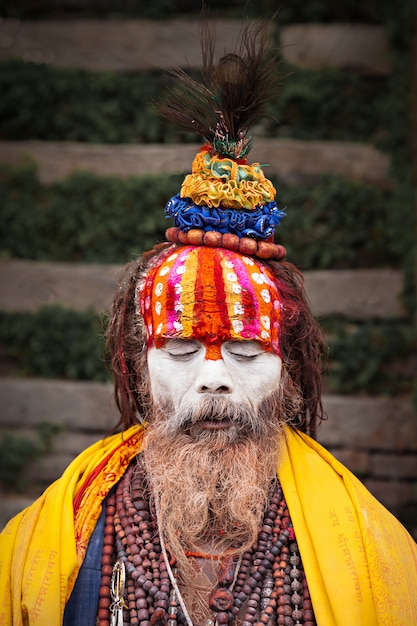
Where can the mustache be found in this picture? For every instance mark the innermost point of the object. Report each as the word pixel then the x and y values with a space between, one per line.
pixel 246 418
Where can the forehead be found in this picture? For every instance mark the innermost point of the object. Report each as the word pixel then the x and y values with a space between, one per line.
pixel 211 295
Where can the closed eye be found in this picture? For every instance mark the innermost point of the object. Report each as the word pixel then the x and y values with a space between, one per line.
pixel 243 351
pixel 182 356
pixel 181 350
pixel 242 357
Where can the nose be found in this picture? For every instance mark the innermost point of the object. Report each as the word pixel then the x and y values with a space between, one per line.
pixel 213 377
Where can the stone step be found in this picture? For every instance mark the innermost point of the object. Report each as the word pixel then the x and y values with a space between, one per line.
pixel 149 44
pixel 293 161
pixel 29 285
pixel 86 411
pixel 79 406
pixel 368 434
pixel 360 48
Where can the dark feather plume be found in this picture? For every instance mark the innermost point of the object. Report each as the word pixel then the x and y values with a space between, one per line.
pixel 232 94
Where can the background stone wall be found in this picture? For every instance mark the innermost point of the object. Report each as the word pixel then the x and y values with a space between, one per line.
pixel 374 434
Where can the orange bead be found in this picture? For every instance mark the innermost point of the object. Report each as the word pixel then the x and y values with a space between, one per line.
pixel 195 236
pixel 248 246
pixel 172 234
pixel 280 252
pixel 265 250
pixel 103 614
pixel 182 237
pixel 230 241
pixel 212 239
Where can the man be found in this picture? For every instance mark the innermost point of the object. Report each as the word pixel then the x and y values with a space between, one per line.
pixel 213 505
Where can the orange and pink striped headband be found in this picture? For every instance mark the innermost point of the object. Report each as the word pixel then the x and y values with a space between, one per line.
pixel 211 295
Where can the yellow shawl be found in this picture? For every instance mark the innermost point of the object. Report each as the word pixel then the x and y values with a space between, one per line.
pixel 361 564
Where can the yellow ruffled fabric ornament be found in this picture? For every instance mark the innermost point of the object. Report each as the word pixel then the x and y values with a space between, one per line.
pixel 217 181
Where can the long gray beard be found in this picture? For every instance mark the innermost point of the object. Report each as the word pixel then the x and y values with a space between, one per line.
pixel 212 486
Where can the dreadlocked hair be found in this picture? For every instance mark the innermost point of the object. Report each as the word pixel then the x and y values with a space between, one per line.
pixel 302 346
pixel 126 341
pixel 303 349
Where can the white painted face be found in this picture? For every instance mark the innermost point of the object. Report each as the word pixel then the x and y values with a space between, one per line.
pixel 181 374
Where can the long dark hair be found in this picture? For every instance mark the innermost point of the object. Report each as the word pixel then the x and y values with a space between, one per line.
pixel 302 346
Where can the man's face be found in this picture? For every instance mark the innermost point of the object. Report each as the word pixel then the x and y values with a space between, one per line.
pixel 184 375
pixel 215 425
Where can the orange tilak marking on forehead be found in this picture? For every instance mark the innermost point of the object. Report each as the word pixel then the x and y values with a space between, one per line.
pixel 210 313
pixel 214 351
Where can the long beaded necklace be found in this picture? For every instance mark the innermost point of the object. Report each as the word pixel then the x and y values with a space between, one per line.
pixel 266 585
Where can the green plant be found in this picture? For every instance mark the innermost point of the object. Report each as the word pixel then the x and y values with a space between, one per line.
pixel 67 104
pixel 55 343
pixel 17 452
pixel 70 104
pixel 376 356
pixel 329 103
pixel 83 218
pixel 337 223
pixel 333 223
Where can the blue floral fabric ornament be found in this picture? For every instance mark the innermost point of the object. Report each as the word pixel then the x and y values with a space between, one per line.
pixel 259 222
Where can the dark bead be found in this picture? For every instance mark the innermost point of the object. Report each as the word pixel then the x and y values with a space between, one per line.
pixel 162 594
pixel 143 614
pixel 275 550
pixel 221 600
pixel 153 590
pixel 141 603
pixel 160 603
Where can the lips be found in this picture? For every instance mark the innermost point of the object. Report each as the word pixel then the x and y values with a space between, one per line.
pixel 216 424
pixel 210 425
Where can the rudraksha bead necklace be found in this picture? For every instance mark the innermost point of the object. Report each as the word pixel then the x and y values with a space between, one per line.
pixel 265 586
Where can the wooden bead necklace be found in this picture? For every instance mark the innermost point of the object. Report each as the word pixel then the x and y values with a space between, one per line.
pixel 266 585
